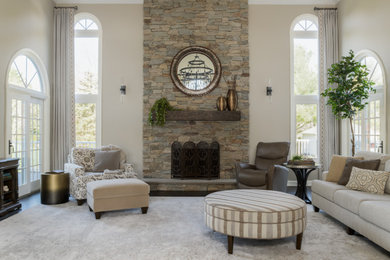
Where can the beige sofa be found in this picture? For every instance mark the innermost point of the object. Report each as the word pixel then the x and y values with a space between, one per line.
pixel 363 212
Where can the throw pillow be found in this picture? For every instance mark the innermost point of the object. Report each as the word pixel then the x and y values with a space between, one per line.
pixel 387 169
pixel 368 180
pixel 362 164
pixel 84 157
pixel 336 167
pixel 106 160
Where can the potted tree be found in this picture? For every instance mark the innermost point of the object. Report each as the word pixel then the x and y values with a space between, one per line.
pixel 351 92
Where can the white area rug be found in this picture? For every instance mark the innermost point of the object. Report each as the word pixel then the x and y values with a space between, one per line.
pixel 173 229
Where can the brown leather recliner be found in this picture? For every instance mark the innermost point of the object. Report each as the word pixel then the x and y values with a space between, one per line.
pixel 267 173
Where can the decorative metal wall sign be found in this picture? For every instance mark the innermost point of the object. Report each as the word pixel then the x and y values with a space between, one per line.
pixel 195 161
pixel 195 71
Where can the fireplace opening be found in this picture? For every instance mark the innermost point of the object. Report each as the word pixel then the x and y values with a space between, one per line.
pixel 195 161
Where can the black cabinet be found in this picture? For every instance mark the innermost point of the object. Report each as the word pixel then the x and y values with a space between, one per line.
pixel 9 196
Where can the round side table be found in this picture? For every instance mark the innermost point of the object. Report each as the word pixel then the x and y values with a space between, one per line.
pixel 54 187
pixel 302 173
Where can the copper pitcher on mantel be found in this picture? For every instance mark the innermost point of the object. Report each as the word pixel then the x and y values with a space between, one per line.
pixel 232 97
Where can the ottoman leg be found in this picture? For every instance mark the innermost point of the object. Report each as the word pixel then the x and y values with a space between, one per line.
pixel 230 244
pixel 350 231
pixel 316 209
pixel 144 210
pixel 98 215
pixel 90 209
pixel 299 241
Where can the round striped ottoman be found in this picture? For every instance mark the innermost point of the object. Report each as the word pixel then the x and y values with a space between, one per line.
pixel 257 214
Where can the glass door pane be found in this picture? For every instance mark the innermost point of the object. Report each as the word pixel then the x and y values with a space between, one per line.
pixel 35 141
pixel 18 137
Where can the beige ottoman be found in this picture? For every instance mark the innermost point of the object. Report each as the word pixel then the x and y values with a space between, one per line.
pixel 257 214
pixel 117 194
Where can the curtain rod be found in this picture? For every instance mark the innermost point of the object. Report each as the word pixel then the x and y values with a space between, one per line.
pixel 74 7
pixel 317 8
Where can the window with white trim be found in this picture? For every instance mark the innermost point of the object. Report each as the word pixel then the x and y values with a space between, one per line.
pixel 87 50
pixel 304 86
pixel 370 123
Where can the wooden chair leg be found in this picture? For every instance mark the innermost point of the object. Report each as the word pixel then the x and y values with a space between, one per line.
pixel 144 210
pixel 316 209
pixel 350 231
pixel 80 202
pixel 230 244
pixel 298 243
pixel 98 215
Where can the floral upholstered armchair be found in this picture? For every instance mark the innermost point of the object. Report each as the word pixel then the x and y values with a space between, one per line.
pixel 80 167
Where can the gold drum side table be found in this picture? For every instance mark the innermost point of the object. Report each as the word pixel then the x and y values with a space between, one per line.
pixel 54 187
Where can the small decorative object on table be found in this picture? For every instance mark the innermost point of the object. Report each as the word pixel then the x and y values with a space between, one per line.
pixel 5 188
pixel 232 97
pixel 300 160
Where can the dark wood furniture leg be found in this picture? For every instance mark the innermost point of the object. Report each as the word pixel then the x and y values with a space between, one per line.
pixel 90 208
pixel 230 244
pixel 316 209
pixel 80 202
pixel 299 241
pixel 144 210
pixel 350 231
pixel 98 215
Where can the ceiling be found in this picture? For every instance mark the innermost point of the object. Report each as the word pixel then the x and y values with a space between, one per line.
pixel 251 2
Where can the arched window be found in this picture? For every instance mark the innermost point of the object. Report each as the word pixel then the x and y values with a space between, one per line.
pixel 304 86
pixel 87 51
pixel 27 135
pixel 370 123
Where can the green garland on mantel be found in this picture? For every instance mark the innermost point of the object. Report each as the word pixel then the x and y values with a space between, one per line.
pixel 158 112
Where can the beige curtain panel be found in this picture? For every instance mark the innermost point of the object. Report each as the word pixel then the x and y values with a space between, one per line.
pixel 62 98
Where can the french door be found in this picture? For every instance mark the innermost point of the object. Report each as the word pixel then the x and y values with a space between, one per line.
pixel 24 135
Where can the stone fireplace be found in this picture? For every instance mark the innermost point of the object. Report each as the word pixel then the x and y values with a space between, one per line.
pixel 169 26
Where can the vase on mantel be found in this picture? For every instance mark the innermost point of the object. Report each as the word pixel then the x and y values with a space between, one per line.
pixel 232 97
pixel 221 103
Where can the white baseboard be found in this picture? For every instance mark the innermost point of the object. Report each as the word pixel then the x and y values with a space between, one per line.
pixel 294 183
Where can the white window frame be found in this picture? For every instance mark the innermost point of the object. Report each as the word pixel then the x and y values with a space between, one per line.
pixel 92 98
pixel 301 99
pixel 346 128
pixel 24 93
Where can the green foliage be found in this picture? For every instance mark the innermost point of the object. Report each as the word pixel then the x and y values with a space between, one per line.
pixel 158 112
pixel 297 158
pixel 353 87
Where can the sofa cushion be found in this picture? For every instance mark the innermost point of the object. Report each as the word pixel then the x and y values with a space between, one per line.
pixel 362 164
pixel 336 167
pixel 106 160
pixel 376 212
pixel 373 156
pixel 387 169
pixel 351 199
pixel 368 180
pixel 326 189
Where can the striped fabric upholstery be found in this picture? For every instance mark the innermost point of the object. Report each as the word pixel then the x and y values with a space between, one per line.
pixel 261 214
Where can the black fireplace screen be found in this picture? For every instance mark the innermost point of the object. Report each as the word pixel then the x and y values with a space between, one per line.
pixel 196 161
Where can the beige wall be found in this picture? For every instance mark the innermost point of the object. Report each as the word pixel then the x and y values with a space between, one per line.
pixel 23 24
pixel 269 58
pixel 122 62
pixel 364 25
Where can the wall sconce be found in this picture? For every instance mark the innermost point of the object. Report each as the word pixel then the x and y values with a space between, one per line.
pixel 123 90
pixel 269 91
